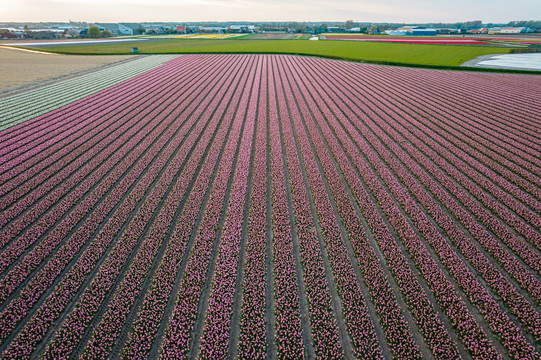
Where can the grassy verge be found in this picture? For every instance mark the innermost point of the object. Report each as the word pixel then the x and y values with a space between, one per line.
pixel 446 57
pixel 411 54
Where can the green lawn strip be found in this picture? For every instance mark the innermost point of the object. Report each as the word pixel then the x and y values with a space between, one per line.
pixel 296 36
pixel 411 54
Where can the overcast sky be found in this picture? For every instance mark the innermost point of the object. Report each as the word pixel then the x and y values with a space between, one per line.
pixel 270 10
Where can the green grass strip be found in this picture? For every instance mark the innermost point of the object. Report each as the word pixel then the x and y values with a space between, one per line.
pixel 388 53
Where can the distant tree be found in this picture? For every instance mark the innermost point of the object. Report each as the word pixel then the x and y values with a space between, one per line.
pixel 322 29
pixel 533 24
pixel 472 24
pixel 373 29
pixel 349 24
pixel 140 29
pixel 106 34
pixel 94 32
pixel 292 25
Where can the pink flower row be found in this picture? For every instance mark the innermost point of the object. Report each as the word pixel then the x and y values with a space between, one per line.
pixel 74 191
pixel 425 316
pixel 289 332
pixel 145 328
pixel 215 337
pixel 324 327
pixel 422 105
pixel 178 339
pixel 484 155
pixel 105 333
pixel 100 189
pixel 435 334
pixel 57 169
pixel 463 276
pixel 73 279
pixel 461 93
pixel 359 324
pixel 493 245
pixel 253 338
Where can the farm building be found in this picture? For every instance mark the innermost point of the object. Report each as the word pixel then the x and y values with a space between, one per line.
pixel 241 28
pixel 120 28
pixel 47 34
pixel 5 35
pixel 114 28
pixel 130 28
pixel 495 30
pixel 336 29
pixel 478 31
pixel 211 29
pixel 514 30
pixel 448 31
pixel 412 31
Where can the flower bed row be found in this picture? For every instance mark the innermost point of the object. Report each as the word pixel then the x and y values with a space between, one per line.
pixel 127 185
pixel 430 325
pixel 43 170
pixel 485 238
pixel 462 88
pixel 215 337
pixel 496 319
pixel 178 341
pixel 434 109
pixel 290 334
pixel 26 136
pixel 32 226
pixel 101 189
pixel 253 336
pixel 324 327
pixel 456 311
pixel 360 325
pixel 122 295
pixel 145 328
pixel 486 216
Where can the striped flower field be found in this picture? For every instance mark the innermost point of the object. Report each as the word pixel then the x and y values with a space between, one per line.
pixel 271 206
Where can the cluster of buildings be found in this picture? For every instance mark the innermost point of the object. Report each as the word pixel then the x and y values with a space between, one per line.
pixel 413 31
pixel 505 30
pixel 222 29
pixel 421 31
pixel 16 33
pixel 73 29
pixel 116 29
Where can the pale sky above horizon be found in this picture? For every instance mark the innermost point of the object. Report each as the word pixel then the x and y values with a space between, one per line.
pixel 421 11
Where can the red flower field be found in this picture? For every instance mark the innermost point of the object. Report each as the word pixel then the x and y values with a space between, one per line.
pixel 254 206
pixel 408 40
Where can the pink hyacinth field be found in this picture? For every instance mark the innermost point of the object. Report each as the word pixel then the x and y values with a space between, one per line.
pixel 272 206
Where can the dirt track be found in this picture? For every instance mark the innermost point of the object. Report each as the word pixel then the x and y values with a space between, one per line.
pixel 23 69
